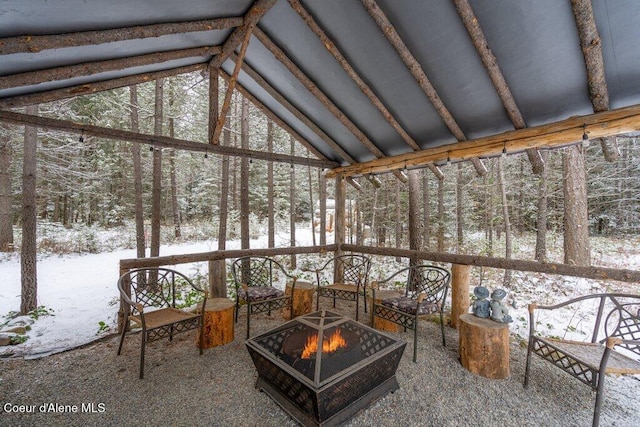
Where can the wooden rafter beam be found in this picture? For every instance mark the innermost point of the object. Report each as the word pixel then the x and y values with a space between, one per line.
pixel 271 115
pixel 154 140
pixel 30 43
pixel 318 93
pixel 251 18
pixel 260 81
pixel 89 88
pixel 217 130
pixel 564 132
pixel 364 87
pixel 591 46
pixel 286 127
pixel 495 74
pixel 214 105
pixel 419 75
pixel 90 68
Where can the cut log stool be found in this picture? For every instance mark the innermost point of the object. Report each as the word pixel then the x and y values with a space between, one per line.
pixel 218 322
pixel 484 346
pixel 302 299
pixel 384 324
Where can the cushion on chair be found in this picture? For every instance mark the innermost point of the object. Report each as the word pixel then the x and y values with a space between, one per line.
pixel 260 293
pixel 408 305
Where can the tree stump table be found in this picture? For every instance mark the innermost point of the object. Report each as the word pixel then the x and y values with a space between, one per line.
pixel 218 322
pixel 302 299
pixel 484 346
pixel 383 324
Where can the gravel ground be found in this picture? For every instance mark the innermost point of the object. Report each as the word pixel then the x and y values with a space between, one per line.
pixel 182 388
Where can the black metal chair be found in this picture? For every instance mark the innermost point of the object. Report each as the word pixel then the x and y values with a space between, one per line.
pixel 150 297
pixel 613 346
pixel 254 279
pixel 344 277
pixel 423 290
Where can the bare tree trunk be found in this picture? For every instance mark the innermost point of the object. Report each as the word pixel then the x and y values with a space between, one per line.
pixel 459 213
pixel 6 211
pixel 359 225
pixel 440 215
pixel 374 217
pixel 322 183
pixel 489 214
pixel 577 250
pixel 235 203
pixel 175 210
pixel 29 276
pixel 414 212
pixel 541 221
pixel 292 205
pixel 383 215
pixel 313 233
pixel 156 191
pixel 244 176
pixel 339 215
pixel 270 193
pixel 426 213
pixel 137 175
pixel 507 223
pixel 219 287
pixel 398 220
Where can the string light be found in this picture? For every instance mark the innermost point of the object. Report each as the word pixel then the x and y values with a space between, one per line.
pixel 504 151
pixel 448 158
pixel 585 137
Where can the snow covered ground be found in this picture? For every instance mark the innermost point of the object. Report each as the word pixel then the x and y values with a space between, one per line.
pixel 80 292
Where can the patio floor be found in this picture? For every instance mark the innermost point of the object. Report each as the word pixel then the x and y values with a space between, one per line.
pixel 183 388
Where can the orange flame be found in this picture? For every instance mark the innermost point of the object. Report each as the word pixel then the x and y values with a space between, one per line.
pixel 330 345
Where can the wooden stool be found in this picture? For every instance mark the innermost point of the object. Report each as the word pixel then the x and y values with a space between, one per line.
pixel 383 324
pixel 484 346
pixel 218 322
pixel 302 299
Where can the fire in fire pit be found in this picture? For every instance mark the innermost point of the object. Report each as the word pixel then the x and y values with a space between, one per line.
pixel 334 343
pixel 323 368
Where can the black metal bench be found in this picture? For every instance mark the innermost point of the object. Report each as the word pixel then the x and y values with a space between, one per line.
pixel 613 346
pixel 150 297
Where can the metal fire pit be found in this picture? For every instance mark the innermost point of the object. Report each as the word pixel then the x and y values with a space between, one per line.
pixel 327 387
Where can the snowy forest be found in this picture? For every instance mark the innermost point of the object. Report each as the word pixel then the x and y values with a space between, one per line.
pixel 87 183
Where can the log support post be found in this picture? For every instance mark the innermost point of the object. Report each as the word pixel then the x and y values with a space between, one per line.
pixel 460 299
pixel 338 212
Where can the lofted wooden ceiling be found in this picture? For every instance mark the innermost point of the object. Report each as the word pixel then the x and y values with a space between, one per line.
pixel 368 86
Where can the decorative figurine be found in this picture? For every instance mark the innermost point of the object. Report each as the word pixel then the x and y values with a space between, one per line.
pixel 499 311
pixel 480 306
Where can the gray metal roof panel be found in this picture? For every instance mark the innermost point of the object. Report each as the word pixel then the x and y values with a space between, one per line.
pixel 619 29
pixel 378 64
pixel 535 43
pixel 306 50
pixel 37 17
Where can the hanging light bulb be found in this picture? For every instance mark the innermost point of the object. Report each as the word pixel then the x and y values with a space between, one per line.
pixel 448 158
pixel 504 151
pixel 585 137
